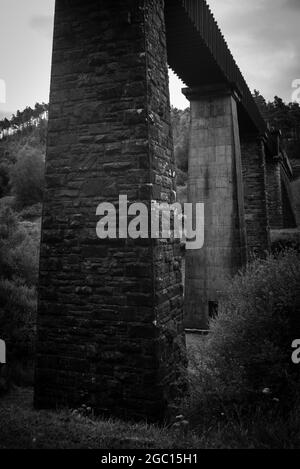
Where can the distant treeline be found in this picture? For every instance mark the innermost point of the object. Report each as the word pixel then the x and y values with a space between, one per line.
pixel 280 115
pixel 23 119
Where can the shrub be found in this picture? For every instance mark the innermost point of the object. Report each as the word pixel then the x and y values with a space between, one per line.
pixel 8 201
pixel 18 249
pixel 18 278
pixel 181 178
pixel 27 176
pixel 180 126
pixel 4 179
pixel 285 239
pixel 31 212
pixel 249 347
pixel 18 317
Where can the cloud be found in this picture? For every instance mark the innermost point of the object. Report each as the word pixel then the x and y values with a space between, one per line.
pixel 43 24
pixel 264 38
pixel 293 4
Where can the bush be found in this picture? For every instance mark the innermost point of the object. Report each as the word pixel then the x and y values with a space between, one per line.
pixel 18 299
pixel 285 239
pixel 4 179
pixel 32 212
pixel 181 178
pixel 249 347
pixel 8 201
pixel 27 176
pixel 181 156
pixel 18 317
pixel 180 126
pixel 18 249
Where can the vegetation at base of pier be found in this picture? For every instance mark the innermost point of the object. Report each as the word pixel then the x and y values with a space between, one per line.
pixel 249 345
pixel 243 372
pixel 221 426
pixel 19 246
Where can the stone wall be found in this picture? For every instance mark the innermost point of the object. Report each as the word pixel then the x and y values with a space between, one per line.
pixel 110 312
pixel 255 195
pixel 289 210
pixel 275 207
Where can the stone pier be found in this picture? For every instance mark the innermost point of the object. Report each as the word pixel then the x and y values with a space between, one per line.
pixel 215 179
pixel 110 331
pixel 255 192
pixel 275 206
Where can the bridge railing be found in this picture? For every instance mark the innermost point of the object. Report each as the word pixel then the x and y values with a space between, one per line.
pixel 204 21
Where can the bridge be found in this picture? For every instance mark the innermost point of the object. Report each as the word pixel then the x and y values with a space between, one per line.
pixel 111 315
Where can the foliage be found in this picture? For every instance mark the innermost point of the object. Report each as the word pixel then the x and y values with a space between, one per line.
pixel 27 176
pixel 17 317
pixel 21 427
pixel 22 158
pixel 18 278
pixel 249 347
pixel 32 212
pixel 180 126
pixel 4 179
pixel 285 117
pixel 18 250
pixel 285 239
pixel 181 178
pixel 24 117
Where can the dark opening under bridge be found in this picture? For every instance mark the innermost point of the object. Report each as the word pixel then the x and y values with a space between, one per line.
pixel 110 316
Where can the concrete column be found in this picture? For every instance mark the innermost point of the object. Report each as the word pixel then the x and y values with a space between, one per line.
pixel 215 178
pixel 255 191
pixel 110 331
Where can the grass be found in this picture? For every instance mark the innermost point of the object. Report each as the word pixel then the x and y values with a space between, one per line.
pixel 22 427
pixel 227 427
pixel 296 197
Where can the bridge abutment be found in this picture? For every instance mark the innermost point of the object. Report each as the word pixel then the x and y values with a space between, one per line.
pixel 215 179
pixel 110 331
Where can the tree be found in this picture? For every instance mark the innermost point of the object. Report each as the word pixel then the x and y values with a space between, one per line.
pixel 27 176
pixel 180 126
pixel 284 117
pixel 4 179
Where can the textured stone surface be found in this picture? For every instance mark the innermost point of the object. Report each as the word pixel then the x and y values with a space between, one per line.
pixel 215 179
pixel 275 208
pixel 255 193
pixel 289 207
pixel 110 312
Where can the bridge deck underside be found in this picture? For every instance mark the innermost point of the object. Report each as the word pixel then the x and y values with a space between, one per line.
pixel 199 55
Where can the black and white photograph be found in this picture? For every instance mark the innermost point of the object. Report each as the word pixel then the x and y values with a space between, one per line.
pixel 149 229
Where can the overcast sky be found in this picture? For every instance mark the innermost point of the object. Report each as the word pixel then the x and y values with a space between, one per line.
pixel 263 35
